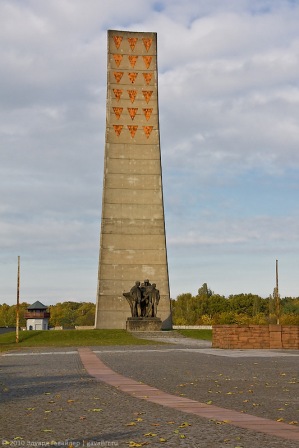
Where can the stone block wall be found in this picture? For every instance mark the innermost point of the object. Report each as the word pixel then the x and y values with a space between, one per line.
pixel 256 337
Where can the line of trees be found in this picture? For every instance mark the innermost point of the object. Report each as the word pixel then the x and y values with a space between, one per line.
pixel 207 308
pixel 66 314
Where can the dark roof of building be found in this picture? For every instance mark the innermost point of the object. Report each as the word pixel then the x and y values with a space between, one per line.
pixel 37 306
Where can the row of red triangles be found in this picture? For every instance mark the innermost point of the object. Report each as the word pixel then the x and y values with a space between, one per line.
pixel 119 127
pixel 132 94
pixel 147 41
pixel 132 112
pixel 133 76
pixel 132 59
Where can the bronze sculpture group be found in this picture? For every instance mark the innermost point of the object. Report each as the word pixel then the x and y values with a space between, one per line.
pixel 143 299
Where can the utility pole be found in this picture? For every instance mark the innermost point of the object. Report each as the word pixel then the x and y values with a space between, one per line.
pixel 277 298
pixel 18 303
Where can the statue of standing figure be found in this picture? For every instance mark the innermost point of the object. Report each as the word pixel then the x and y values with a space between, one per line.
pixel 143 299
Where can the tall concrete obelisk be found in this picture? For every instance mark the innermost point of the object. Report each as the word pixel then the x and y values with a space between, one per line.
pixel 133 244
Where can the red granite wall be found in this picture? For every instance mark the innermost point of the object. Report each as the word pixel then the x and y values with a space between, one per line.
pixel 256 336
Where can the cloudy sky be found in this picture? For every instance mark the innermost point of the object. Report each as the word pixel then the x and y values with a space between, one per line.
pixel 229 110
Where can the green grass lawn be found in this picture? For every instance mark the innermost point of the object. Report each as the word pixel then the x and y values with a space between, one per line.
pixel 75 338
pixel 69 338
pixel 197 334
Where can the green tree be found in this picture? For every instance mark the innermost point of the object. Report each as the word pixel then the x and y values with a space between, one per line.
pixel 86 314
pixel 8 315
pixel 204 291
pixel 181 308
pixel 243 303
pixel 290 305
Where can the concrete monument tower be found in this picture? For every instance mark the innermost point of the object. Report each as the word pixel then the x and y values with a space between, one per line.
pixel 133 244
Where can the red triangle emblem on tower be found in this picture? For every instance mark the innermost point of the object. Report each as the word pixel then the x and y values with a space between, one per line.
pixel 132 112
pixel 132 42
pixel 147 77
pixel 132 77
pixel 147 95
pixel 117 58
pixel 132 95
pixel 117 93
pixel 147 113
pixel 118 111
pixel 132 130
pixel 118 76
pixel 147 130
pixel 117 40
pixel 147 60
pixel 147 42
pixel 132 59
pixel 118 128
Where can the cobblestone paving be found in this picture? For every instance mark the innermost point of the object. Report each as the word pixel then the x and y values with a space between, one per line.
pixel 50 397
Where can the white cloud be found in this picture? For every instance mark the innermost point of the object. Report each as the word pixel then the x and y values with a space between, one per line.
pixel 229 99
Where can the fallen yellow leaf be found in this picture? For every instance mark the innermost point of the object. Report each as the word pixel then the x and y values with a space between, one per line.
pixel 183 425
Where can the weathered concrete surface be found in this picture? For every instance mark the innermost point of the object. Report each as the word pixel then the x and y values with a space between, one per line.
pixel 152 324
pixel 133 245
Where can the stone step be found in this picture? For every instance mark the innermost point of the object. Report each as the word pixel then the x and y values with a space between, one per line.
pixel 158 334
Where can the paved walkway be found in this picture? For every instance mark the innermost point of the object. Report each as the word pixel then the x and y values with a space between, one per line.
pixel 149 396
pixel 172 337
pixel 101 372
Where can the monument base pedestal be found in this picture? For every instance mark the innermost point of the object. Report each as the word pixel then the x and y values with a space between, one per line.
pixel 144 324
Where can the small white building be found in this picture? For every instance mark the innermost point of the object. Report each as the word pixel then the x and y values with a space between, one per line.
pixel 37 317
